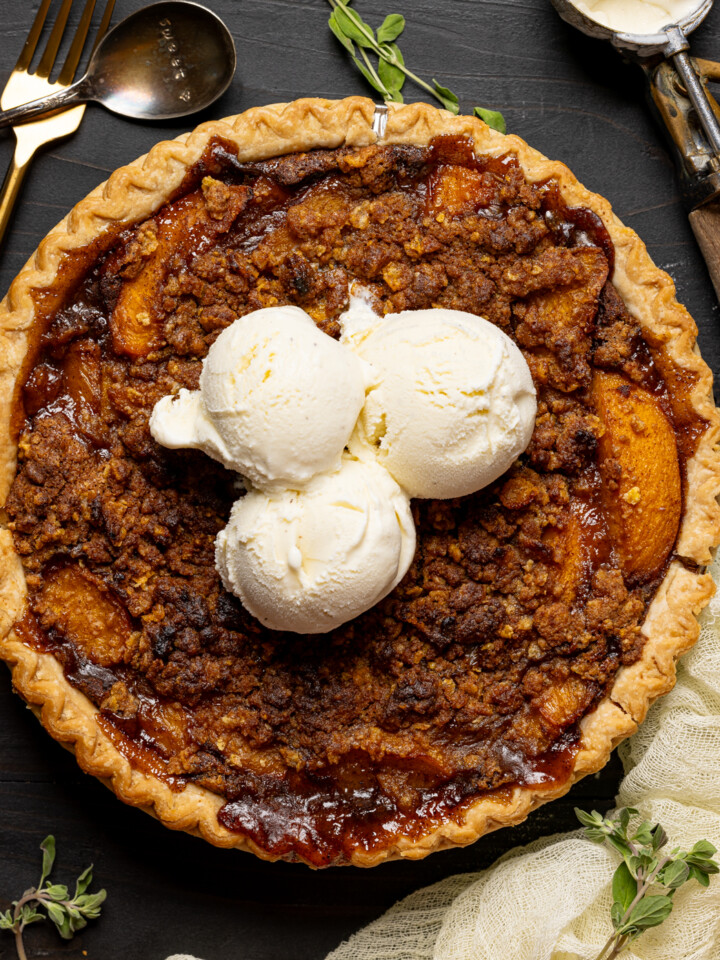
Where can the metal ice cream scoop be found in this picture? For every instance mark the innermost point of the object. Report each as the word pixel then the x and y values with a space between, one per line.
pixel 680 98
pixel 167 60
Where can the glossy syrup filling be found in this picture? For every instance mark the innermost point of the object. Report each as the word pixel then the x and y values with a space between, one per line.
pixel 523 600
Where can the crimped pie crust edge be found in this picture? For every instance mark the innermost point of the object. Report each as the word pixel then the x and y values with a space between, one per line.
pixel 135 191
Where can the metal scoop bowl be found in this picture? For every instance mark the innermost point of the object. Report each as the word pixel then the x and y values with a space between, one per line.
pixel 643 45
pixel 688 111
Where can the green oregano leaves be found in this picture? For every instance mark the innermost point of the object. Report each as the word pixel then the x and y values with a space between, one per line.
pixel 645 882
pixel 69 914
pixel 389 73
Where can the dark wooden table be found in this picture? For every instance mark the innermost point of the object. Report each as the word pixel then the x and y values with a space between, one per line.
pixel 572 98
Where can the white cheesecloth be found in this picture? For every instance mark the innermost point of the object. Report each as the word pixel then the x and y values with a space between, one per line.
pixel 551 899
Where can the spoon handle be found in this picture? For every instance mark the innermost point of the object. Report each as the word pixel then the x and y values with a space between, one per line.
pixel 75 93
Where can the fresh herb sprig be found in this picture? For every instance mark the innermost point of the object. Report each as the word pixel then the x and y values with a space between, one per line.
pixel 388 77
pixel 644 869
pixel 69 914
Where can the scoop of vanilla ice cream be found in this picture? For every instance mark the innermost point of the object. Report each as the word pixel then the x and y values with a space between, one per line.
pixel 309 560
pixel 278 400
pixel 452 404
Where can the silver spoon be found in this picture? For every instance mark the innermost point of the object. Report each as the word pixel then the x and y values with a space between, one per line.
pixel 166 60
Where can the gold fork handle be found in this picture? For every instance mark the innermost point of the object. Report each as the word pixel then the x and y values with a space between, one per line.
pixel 79 92
pixel 10 190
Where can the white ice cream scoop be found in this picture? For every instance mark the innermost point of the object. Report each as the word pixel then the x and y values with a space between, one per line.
pixel 452 404
pixel 307 561
pixel 278 400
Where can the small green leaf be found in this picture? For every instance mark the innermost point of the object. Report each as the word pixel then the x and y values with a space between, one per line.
pixel 352 25
pixel 593 819
pixel 492 118
pixel 703 849
pixel 48 849
pixel 393 93
pixel 644 833
pixel 77 923
pixel 335 27
pixel 616 915
pixel 83 881
pixel 659 837
pixel 705 866
pixel 623 849
pixel 65 928
pixel 624 819
pixel 702 878
pixel 674 874
pixel 6 921
pixel 650 912
pixel 392 76
pixel 56 914
pixel 57 891
pixel 90 907
pixel 446 97
pixel 30 915
pixel 391 28
pixel 371 79
pixel 624 887
pixel 595 835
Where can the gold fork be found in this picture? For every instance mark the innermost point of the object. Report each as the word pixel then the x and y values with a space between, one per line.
pixel 24 85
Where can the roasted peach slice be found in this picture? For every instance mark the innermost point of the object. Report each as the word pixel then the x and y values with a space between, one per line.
pixel 642 495
pixel 83 375
pixel 570 554
pixel 183 228
pixel 456 190
pixel 135 319
pixel 554 324
pixel 565 702
pixel 76 605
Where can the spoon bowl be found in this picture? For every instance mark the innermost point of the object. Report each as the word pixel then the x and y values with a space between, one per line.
pixel 167 60
pixel 164 61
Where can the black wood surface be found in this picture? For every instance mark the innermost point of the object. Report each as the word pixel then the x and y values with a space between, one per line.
pixel 572 98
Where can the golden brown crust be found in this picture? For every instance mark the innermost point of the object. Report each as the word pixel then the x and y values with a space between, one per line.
pixel 134 192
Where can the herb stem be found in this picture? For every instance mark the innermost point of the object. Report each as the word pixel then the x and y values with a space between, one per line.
pixel 19 926
pixel 370 67
pixel 618 948
pixel 392 58
pixel 612 939
pixel 19 945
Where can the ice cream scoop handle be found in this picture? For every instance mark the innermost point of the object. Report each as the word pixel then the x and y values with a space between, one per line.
pixel 677 47
pixel 705 222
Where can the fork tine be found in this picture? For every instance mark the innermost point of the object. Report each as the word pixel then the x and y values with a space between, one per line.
pixel 75 52
pixel 26 54
pixel 104 24
pixel 51 48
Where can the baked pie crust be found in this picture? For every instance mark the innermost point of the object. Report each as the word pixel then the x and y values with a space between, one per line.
pixel 133 193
